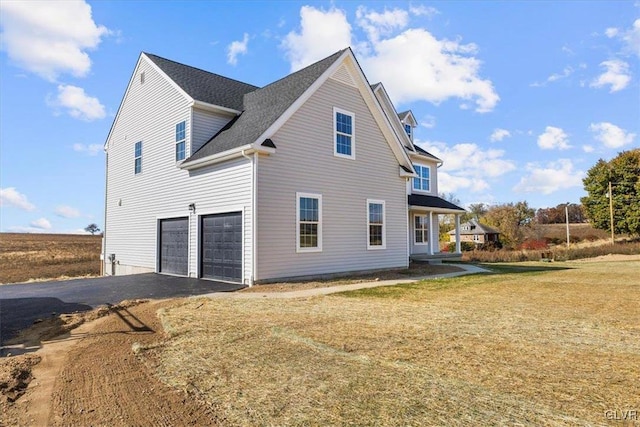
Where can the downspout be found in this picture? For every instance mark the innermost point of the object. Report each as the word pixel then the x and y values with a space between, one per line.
pixel 254 161
pixel 104 230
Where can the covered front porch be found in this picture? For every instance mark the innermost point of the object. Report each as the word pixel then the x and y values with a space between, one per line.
pixel 424 229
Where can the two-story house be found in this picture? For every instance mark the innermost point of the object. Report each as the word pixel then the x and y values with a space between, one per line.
pixel 313 174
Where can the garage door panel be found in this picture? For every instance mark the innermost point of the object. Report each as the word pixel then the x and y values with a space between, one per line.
pixel 174 246
pixel 221 248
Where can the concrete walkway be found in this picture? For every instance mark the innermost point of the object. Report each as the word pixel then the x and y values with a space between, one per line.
pixel 303 293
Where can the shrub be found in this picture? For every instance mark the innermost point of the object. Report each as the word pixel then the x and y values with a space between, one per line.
pixel 464 247
pixel 534 245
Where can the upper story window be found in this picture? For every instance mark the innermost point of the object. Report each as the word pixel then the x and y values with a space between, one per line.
pixel 344 126
pixel 409 130
pixel 138 157
pixel 180 141
pixel 309 222
pixel 423 181
pixel 375 224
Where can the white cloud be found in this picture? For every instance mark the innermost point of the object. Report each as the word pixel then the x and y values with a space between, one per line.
pixel 617 75
pixel 611 135
pixel 237 48
pixel 321 34
pixel 566 72
pixel 91 149
pixel 422 10
pixel 67 212
pixel 558 175
pixel 630 38
pixel 429 122
pixel 467 166
pixel 611 32
pixel 377 24
pixel 11 197
pixel 587 148
pixel 78 104
pixel 41 223
pixel 553 138
pixel 411 62
pixel 50 38
pixel 499 134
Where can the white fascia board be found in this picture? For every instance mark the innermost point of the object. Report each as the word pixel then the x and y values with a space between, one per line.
pixel 436 210
pixel 374 105
pixel 215 108
pixel 301 100
pixel 131 80
pixel 392 115
pixel 404 173
pixel 422 158
pixel 226 155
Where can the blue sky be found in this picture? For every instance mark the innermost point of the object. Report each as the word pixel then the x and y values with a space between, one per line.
pixel 519 99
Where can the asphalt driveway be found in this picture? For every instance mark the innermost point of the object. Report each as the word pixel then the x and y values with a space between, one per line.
pixel 21 305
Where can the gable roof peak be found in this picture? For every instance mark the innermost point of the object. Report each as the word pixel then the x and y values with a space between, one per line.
pixel 203 85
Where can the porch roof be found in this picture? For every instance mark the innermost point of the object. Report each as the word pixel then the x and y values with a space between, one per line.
pixel 438 203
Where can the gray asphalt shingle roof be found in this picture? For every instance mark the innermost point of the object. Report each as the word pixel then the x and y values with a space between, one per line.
pixel 262 107
pixel 475 228
pixel 425 153
pixel 204 86
pixel 432 202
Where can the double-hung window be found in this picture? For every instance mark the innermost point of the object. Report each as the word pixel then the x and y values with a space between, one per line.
pixel 180 141
pixel 420 227
pixel 409 130
pixel 344 127
pixel 375 225
pixel 422 182
pixel 309 222
pixel 137 158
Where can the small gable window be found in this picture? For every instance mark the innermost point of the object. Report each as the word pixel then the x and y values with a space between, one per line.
pixel 422 182
pixel 180 141
pixel 344 124
pixel 138 158
pixel 409 130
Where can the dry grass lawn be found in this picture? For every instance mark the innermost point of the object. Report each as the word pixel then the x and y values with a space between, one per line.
pixel 555 347
pixel 26 257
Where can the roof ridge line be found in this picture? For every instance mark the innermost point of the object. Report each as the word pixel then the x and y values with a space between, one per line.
pixel 200 69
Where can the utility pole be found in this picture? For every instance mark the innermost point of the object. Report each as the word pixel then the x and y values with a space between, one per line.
pixel 566 215
pixel 611 213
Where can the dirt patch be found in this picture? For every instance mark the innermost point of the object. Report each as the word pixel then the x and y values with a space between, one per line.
pixel 414 270
pixel 15 376
pixel 27 257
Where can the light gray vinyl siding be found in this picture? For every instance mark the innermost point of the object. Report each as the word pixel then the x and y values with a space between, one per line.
pixel 205 125
pixel 135 203
pixel 305 162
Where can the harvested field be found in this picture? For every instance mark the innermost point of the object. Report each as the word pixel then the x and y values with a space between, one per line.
pixel 25 257
pixel 533 345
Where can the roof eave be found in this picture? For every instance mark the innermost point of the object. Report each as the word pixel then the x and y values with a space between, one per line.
pixel 214 108
pixel 226 155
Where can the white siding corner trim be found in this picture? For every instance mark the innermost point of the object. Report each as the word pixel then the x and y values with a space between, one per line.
pixel 299 222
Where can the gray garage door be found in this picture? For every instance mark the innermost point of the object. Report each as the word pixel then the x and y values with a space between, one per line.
pixel 174 246
pixel 221 250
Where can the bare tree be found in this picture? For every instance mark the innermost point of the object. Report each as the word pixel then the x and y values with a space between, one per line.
pixel 92 228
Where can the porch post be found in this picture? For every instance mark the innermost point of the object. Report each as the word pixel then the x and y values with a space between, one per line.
pixel 458 251
pixel 431 233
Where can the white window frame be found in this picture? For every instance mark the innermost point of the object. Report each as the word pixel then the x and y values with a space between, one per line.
pixel 384 225
pixel 413 188
pixel 135 158
pixel 300 249
pixel 424 232
pixel 182 141
pixel 335 133
pixel 410 132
